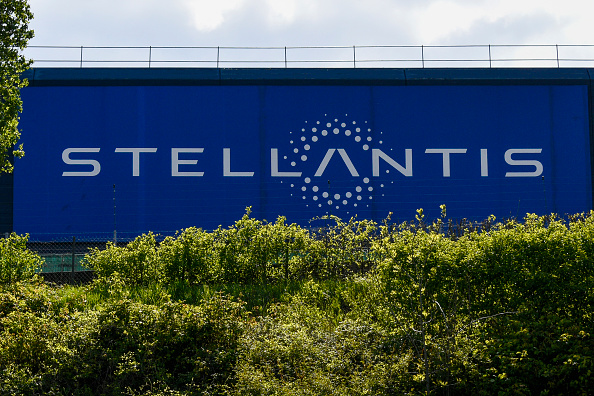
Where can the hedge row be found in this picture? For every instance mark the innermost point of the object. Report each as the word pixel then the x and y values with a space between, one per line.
pixel 408 309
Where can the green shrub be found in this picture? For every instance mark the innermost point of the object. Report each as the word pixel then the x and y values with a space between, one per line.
pixel 47 346
pixel 136 263
pixel 298 350
pixel 17 263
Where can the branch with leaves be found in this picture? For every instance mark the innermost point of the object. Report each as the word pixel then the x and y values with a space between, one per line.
pixel 14 36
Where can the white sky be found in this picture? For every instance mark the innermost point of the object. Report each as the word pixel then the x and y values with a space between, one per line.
pixel 310 22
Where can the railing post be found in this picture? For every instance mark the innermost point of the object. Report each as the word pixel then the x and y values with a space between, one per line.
pixel 354 58
pixel 81 56
pixel 557 47
pixel 150 55
pixel 490 56
pixel 423 56
pixel 218 56
pixel 285 57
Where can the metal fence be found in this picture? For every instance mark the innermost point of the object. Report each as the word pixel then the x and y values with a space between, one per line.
pixel 409 56
pixel 63 256
pixel 63 259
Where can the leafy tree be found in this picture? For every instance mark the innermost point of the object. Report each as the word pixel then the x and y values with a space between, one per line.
pixel 14 35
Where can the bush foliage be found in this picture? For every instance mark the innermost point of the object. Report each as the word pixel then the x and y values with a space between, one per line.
pixel 357 308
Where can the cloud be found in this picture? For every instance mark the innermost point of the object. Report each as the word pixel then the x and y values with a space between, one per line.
pixel 536 28
pixel 208 15
pixel 308 22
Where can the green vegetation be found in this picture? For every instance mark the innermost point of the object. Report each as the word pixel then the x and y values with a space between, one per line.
pixel 15 16
pixel 274 309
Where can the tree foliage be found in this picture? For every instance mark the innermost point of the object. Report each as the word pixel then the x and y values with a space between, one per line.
pixel 14 35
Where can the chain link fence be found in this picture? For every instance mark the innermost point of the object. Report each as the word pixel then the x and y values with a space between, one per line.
pixel 63 256
pixel 64 259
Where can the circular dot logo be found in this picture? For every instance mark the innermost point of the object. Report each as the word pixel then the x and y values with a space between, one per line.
pixel 328 138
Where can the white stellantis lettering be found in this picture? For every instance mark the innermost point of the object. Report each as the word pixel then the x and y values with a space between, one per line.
pixel 227 165
pixel 446 157
pixel 536 164
pixel 175 161
pixel 67 160
pixel 484 163
pixel 377 154
pixel 274 166
pixel 135 156
pixel 345 158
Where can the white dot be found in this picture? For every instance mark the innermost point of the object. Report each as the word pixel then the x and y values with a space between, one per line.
pixel 336 120
pixel 306 147
pixel 303 188
pixel 349 194
pixel 355 205
pixel 315 188
pixel 329 202
pixel 291 142
pixel 354 122
pixel 369 138
pixel 357 138
pixel 325 195
pixel 285 157
pixel 336 131
pixel 303 129
pixel 314 129
pixel 366 180
pixel 337 207
pixel 303 138
pixel 370 197
pixel 318 122
pixel 304 158
pixel 296 150
pixel 358 129
pixel 365 147
pixel 381 185
pixel 324 132
pixel 328 125
pixel 359 197
pixel 293 163
pixel 292 185
pixel 368 129
pixel 347 132
pixel 320 205
pixel 314 139
pixel 315 197
pixel 337 196
pixel 359 189
pixel 345 202
pixel 380 142
pixel 307 180
pixel 387 170
pixel 303 197
pixel 343 125
pixel 369 189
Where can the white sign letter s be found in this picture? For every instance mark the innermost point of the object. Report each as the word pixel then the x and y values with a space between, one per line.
pixel 536 164
pixel 67 160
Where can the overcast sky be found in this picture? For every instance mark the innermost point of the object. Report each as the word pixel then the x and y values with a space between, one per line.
pixel 310 22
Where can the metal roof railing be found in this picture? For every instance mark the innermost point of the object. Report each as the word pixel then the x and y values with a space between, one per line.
pixel 409 56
